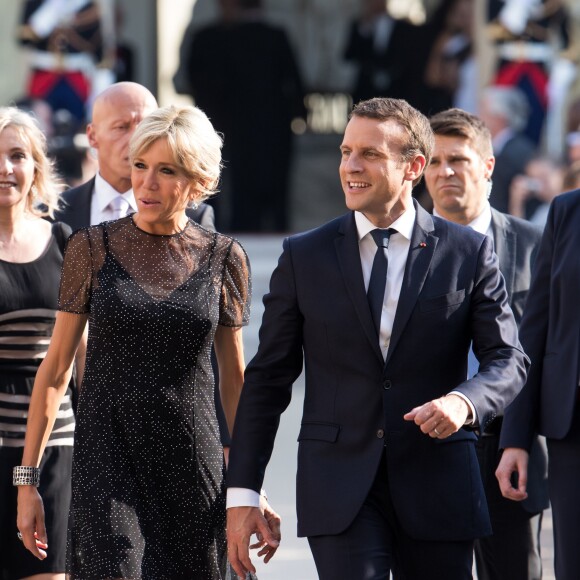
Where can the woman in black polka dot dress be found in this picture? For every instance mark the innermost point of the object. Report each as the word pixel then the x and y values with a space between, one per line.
pixel 157 290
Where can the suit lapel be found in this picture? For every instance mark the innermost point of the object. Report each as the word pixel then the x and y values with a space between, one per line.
pixel 348 254
pixel 423 244
pixel 77 206
pixel 86 198
pixel 505 247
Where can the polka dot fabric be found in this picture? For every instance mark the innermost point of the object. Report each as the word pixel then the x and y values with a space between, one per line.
pixel 148 477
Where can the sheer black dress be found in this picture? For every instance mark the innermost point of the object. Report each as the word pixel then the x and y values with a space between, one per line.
pixel 148 476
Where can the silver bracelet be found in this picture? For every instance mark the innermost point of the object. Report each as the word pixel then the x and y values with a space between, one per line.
pixel 26 475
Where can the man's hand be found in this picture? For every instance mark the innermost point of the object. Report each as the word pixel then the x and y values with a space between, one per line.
pixel 441 417
pixel 273 519
pixel 242 523
pixel 514 461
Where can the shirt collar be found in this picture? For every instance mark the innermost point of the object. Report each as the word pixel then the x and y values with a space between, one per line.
pixel 481 224
pixel 403 224
pixel 105 193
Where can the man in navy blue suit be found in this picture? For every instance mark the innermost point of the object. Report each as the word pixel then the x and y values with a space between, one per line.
pixel 549 403
pixel 388 478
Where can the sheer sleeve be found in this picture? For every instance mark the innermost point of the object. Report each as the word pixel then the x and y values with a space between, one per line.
pixel 236 288
pixel 76 276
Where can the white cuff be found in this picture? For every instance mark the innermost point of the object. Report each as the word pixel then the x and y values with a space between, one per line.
pixel 473 420
pixel 240 496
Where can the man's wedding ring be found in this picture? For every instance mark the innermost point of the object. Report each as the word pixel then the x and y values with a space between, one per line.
pixel 436 432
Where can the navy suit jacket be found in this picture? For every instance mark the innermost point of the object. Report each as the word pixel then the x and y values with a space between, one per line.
pixel 550 333
pixel 516 244
pixel 317 312
pixel 76 208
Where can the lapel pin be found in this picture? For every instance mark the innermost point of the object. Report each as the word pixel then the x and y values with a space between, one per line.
pixel 422 245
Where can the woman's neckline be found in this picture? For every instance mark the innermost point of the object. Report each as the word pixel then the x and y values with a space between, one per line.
pixel 176 234
pixel 51 241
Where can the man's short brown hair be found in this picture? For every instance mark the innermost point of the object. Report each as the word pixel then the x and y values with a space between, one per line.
pixel 419 134
pixel 460 123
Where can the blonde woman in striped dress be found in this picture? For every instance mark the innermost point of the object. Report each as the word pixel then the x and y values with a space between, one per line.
pixel 31 254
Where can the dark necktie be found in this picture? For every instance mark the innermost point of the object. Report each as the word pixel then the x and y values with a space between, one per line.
pixel 378 279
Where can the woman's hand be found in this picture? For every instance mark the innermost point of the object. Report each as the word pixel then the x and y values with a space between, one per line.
pixel 30 521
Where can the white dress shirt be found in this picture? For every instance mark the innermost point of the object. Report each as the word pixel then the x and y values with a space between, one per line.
pixel 398 252
pixel 399 244
pixel 481 224
pixel 101 199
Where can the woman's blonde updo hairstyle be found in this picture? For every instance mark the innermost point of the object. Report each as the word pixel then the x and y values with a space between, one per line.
pixel 44 195
pixel 195 145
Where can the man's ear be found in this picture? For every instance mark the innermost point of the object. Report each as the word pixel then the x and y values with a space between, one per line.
pixel 92 136
pixel 489 165
pixel 415 167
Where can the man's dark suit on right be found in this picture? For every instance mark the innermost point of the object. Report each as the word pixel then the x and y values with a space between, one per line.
pixel 549 403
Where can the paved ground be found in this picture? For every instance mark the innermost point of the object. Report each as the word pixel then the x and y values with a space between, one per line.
pixel 293 560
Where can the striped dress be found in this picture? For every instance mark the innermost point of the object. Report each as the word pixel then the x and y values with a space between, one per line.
pixel 28 301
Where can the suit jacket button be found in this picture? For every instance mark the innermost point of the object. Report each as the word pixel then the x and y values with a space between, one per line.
pixel 387 384
pixel 380 433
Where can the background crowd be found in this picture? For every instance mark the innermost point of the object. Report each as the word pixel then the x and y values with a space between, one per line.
pixel 443 55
